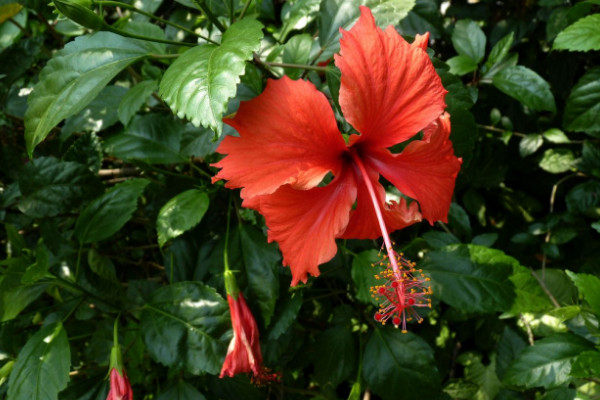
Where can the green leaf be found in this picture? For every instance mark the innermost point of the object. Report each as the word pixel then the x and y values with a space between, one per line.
pixel 529 144
pixel 488 384
pixel 297 51
pixel 14 296
pixel 555 135
pixel 389 12
pixel 101 265
pixel 461 65
pixel 86 150
pixel 583 35
pixel 183 325
pixel 335 355
pixel 584 198
pixel 180 214
pixel 297 15
pixel 105 215
pixel 582 110
pixel 74 77
pixel 587 365
pixel 363 275
pixel 98 115
pixel 469 40
pixel 500 50
pixel 471 278
pixel 333 15
pixel 51 187
pixel 39 269
pixel 286 315
pixel 547 363
pixel 557 161
pixel 201 81
pixel 396 362
pixel 530 297
pixel 559 393
pixel 559 285
pixel 437 240
pixel 261 262
pixel 589 288
pixel 134 99
pixel 526 86
pixel 510 346
pixel 42 367
pixel 181 391
pixel 152 138
pixel 590 160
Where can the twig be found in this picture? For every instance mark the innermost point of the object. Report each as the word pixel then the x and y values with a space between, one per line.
pixel 529 331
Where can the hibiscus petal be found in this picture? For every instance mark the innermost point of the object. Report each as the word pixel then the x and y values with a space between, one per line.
pixel 305 223
pixel 363 222
pixel 425 170
pixel 288 135
pixel 389 88
pixel 421 41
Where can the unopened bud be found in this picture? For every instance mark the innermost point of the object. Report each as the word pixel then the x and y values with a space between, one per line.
pixel 81 12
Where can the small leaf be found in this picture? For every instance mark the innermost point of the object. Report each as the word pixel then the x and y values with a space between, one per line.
pixel 180 214
pixel 500 50
pixel 471 278
pixel 335 355
pixel 134 99
pixel 396 362
pixel 74 77
pixel 297 51
pixel 389 12
pixel 469 40
pixel 547 363
pixel 42 367
pixel 51 187
pixel 583 35
pixel 582 110
pixel 183 325
pixel 105 215
pixel 557 161
pixel 152 138
pixel 526 86
pixel 589 288
pixel 555 135
pixel 529 144
pixel 201 81
pixel 461 65
pixel 39 269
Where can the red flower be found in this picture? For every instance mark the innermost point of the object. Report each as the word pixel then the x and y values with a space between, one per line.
pixel 243 354
pixel 120 389
pixel 289 142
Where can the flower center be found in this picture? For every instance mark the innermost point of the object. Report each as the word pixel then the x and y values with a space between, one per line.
pixel 405 286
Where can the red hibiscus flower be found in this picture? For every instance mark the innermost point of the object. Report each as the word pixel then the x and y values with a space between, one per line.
pixel 243 354
pixel 120 389
pixel 289 144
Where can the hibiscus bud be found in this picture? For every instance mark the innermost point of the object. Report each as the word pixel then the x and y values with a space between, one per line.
pixel 81 12
pixel 120 389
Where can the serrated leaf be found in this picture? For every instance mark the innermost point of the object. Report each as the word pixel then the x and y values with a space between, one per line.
pixel 582 109
pixel 529 295
pixel 500 50
pixel 547 363
pixel 74 77
pixel 529 144
pixel 134 99
pixel 180 214
pixel 589 288
pixel 201 81
pixel 389 12
pixel 183 326
pixel 471 278
pixel 335 355
pixel 583 35
pixel 105 215
pixel 469 40
pixel 557 161
pixel 152 138
pixel 51 187
pixel 526 86
pixel 42 367
pixel 555 135
pixel 261 262
pixel 396 362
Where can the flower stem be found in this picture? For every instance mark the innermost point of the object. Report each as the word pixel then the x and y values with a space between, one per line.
pixel 298 66
pixel 147 39
pixel 211 17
